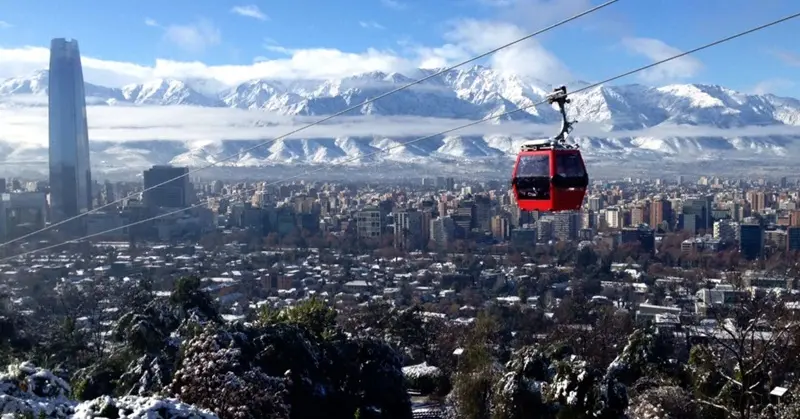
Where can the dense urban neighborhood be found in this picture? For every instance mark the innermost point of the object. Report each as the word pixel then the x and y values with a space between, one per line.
pixel 664 298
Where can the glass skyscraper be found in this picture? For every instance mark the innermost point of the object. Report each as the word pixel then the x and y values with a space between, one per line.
pixel 70 172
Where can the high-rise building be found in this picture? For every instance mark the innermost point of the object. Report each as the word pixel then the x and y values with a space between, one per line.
pixel 442 231
pixel 751 240
pixel 615 217
pixel 794 218
pixel 660 211
pixel 70 171
pixel 501 228
pixel 408 230
pixel 696 214
pixel 566 224
pixel 638 215
pixel 544 230
pixel 589 219
pixel 793 239
pixel 464 217
pixel 757 200
pixel 167 187
pixel 21 213
pixel 645 235
pixel 726 230
pixel 483 209
pixel 369 223
pixel 596 203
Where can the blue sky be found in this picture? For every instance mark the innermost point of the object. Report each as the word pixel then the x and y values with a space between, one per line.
pixel 303 38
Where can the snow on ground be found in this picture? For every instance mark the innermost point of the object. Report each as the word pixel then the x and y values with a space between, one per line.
pixel 29 391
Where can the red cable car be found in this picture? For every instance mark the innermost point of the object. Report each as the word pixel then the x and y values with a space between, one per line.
pixel 549 175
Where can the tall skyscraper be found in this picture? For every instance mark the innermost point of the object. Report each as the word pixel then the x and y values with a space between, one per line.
pixel 70 171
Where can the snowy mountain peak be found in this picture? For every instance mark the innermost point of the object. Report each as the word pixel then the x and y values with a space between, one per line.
pixel 34 83
pixel 627 122
pixel 166 92
pixel 697 95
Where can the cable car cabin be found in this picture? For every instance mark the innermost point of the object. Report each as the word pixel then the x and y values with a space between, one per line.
pixel 549 177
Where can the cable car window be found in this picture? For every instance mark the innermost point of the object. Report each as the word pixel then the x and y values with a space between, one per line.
pixel 533 188
pixel 570 165
pixel 534 166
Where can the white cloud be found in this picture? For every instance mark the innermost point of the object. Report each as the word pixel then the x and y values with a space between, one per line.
pixel 394 4
pixel 470 37
pixel 370 24
pixel 5 25
pixel 195 37
pixel 656 50
pixel 788 57
pixel 250 11
pixel 773 86
pixel 318 63
pixel 537 14
pixel 273 45
pixel 16 62
pixel 183 123
pixel 694 131
pixel 464 39
pixel 28 126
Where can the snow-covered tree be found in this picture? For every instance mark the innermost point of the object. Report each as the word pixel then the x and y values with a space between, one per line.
pixel 749 350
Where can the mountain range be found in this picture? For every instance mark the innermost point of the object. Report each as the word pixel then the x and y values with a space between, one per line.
pixel 679 122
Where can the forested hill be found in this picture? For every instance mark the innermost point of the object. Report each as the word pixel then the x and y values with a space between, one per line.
pixel 173 355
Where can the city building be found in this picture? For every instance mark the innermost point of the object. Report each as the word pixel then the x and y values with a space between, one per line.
pixel 726 230
pixel 793 239
pixel 21 213
pixel 500 227
pixel 751 240
pixel 660 212
pixel 369 222
pixel 70 170
pixel 442 231
pixel 409 230
pixel 167 187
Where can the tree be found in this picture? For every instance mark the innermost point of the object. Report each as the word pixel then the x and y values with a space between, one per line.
pixel 523 294
pixel 472 387
pixel 271 240
pixel 752 347
pixel 313 314
pixel 188 295
pixel 585 259
pixel 597 342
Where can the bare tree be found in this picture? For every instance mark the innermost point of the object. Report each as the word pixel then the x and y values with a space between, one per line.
pixel 749 350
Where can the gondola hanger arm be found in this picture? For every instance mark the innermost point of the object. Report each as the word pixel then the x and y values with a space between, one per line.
pixel 559 97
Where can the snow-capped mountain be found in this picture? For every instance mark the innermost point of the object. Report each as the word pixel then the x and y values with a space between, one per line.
pixel 36 84
pixel 682 121
pixel 166 92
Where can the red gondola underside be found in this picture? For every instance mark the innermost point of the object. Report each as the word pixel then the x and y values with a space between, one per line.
pixel 552 179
